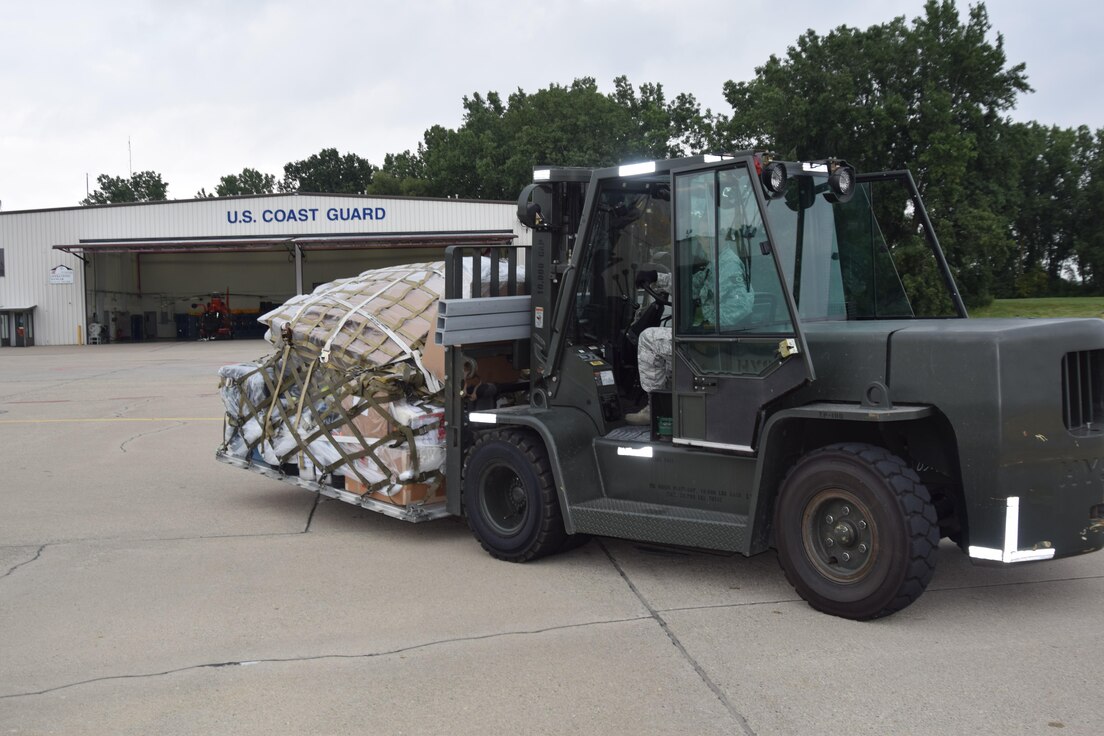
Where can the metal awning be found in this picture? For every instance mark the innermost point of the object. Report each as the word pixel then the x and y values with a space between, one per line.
pixel 289 243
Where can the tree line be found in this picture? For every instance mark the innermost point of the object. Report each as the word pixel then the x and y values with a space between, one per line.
pixel 1017 205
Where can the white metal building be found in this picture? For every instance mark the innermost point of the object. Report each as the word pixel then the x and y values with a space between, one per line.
pixel 138 268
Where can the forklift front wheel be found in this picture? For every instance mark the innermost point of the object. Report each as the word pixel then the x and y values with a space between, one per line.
pixel 856 531
pixel 510 497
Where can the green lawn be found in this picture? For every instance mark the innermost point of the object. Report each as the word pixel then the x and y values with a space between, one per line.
pixel 1075 306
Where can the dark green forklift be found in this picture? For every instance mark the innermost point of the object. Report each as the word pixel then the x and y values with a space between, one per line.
pixel 850 419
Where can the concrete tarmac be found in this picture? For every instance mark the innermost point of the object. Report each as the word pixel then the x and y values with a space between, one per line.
pixel 147 589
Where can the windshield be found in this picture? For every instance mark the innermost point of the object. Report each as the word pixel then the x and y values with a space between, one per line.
pixel 631 226
pixel 868 258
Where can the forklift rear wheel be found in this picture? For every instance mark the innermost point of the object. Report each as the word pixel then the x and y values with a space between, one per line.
pixel 510 497
pixel 856 531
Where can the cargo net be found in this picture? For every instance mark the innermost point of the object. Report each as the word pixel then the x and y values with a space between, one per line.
pixel 349 397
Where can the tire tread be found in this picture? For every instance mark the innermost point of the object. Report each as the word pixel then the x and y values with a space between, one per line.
pixel 913 498
pixel 550 537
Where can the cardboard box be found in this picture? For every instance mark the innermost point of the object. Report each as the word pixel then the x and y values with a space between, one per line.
pixel 397 460
pixel 494 369
pixel 371 422
pixel 433 355
pixel 406 495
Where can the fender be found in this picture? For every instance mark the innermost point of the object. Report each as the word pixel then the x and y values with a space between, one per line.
pixel 568 435
pixel 772 466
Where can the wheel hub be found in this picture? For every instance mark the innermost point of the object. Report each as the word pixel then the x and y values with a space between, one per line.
pixel 516 497
pixel 838 535
pixel 504 500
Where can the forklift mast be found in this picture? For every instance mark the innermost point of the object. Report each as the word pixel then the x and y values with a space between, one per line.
pixel 553 207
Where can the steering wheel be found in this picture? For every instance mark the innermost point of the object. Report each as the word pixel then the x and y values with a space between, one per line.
pixel 661 297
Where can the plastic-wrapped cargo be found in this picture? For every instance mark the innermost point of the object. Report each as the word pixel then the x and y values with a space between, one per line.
pixel 348 404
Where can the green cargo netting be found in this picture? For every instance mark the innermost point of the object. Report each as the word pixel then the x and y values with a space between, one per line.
pixel 347 391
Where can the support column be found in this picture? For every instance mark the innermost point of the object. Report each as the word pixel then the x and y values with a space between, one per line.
pixel 298 269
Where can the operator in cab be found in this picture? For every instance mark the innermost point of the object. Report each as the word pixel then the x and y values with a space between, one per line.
pixel 730 281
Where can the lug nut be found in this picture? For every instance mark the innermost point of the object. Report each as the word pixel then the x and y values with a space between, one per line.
pixel 862 548
pixel 845 510
pixel 829 519
pixel 829 542
pixel 862 524
pixel 846 557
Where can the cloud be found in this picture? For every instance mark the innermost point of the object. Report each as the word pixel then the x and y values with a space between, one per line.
pixel 204 89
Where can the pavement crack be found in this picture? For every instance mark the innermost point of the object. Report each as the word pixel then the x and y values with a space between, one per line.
pixel 320 657
pixel 310 517
pixel 979 586
pixel 130 439
pixel 37 554
pixel 63 382
pixel 126 408
pixel 655 615
pixel 747 604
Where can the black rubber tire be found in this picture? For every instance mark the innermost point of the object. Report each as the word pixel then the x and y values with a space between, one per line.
pixel 863 503
pixel 510 497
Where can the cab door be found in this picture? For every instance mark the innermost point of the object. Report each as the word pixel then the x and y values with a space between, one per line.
pixel 736 341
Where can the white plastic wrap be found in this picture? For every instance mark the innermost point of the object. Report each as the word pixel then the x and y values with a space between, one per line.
pixel 354 341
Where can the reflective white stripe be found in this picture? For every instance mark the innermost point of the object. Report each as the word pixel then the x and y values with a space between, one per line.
pixel 1010 553
pixel 648 167
pixel 713 445
pixel 635 451
pixel 542 175
pixel 483 418
pixel 711 158
pixel 818 168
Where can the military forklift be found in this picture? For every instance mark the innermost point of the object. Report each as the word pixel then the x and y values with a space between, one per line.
pixel 850 419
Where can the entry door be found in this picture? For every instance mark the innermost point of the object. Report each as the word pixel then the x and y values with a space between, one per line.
pixel 736 345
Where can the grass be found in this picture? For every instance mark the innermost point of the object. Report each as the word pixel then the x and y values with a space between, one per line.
pixel 1074 306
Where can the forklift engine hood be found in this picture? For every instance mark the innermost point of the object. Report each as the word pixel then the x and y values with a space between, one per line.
pixel 1020 395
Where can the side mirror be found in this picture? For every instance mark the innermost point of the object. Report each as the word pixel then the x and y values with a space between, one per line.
pixel 529 213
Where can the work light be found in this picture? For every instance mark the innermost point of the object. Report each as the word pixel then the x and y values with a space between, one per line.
pixel 774 179
pixel 841 182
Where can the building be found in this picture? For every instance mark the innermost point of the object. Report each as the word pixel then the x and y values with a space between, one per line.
pixel 137 271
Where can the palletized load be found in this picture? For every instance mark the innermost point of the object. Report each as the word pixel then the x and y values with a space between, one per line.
pixel 350 402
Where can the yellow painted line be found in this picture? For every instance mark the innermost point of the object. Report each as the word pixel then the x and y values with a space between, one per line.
pixel 112 419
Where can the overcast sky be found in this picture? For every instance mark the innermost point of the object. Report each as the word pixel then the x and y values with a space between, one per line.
pixel 201 88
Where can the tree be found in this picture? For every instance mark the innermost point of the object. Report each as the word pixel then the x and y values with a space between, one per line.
pixel 1088 233
pixel 249 181
pixel 143 186
pixel 329 172
pixel 493 152
pixel 1053 184
pixel 401 174
pixel 930 96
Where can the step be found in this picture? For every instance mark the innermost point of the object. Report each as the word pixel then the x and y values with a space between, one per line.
pixel 648 522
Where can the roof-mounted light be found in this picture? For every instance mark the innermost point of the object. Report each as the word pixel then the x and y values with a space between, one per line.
pixel 841 182
pixel 648 167
pixel 774 178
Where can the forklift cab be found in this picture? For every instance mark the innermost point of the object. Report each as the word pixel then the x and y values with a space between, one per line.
pixel 735 340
